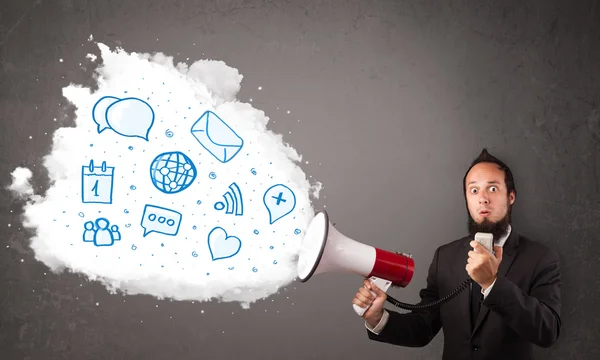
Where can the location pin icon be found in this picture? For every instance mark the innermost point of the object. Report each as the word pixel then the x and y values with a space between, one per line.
pixel 279 201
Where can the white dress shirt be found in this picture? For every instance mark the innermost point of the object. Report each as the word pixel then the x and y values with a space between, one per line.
pixel 377 329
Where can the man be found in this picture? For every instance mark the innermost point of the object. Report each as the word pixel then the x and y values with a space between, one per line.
pixel 515 299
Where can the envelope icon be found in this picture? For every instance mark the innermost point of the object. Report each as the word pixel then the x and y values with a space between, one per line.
pixel 217 137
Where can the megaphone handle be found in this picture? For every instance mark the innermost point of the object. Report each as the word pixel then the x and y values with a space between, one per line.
pixel 360 311
pixel 380 283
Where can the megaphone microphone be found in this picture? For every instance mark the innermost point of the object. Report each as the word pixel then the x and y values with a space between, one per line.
pixel 325 249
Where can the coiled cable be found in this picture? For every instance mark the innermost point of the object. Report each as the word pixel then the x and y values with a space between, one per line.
pixel 439 302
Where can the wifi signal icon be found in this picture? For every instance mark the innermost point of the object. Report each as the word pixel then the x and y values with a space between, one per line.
pixel 233 201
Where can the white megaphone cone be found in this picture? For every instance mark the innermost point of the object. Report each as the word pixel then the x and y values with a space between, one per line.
pixel 324 249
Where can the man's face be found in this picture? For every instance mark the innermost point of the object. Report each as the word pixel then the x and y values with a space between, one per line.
pixel 488 200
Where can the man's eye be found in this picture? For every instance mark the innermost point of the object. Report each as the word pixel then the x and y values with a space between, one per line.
pixel 473 191
pixel 493 188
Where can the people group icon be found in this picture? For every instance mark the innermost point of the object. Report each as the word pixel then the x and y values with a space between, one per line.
pixel 101 233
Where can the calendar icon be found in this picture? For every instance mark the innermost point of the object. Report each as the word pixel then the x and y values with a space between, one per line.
pixel 97 183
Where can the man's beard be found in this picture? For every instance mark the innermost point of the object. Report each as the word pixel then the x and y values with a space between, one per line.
pixel 497 229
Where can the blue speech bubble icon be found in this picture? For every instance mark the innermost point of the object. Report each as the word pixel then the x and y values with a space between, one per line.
pixel 160 220
pixel 99 112
pixel 280 201
pixel 131 117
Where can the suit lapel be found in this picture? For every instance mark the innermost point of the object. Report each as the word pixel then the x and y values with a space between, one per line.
pixel 463 300
pixel 508 255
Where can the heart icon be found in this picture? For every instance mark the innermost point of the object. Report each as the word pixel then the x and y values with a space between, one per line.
pixel 222 246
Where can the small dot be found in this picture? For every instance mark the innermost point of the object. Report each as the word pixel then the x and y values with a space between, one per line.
pixel 97 304
pixel 260 88
pixel 61 60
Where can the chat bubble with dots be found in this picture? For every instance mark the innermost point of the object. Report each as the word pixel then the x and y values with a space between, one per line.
pixel 160 220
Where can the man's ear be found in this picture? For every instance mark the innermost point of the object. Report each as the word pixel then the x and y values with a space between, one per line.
pixel 512 197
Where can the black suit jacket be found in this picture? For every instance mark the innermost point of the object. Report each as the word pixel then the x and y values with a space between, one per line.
pixel 521 310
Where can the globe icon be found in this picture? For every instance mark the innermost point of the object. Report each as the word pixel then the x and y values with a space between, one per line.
pixel 172 172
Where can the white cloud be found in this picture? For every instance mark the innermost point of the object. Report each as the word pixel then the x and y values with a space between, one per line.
pixel 181 266
pixel 20 184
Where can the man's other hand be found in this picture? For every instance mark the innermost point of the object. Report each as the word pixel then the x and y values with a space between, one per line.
pixel 482 266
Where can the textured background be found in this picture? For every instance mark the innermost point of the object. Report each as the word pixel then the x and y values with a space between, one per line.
pixel 394 98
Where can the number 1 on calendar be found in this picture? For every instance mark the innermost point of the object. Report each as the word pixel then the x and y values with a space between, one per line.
pixel 95 188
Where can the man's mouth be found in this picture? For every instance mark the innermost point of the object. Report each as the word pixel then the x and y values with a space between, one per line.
pixel 484 213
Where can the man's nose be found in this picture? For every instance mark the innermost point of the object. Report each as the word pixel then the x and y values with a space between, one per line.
pixel 483 200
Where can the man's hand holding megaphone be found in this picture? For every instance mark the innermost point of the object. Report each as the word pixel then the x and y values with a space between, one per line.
pixel 364 298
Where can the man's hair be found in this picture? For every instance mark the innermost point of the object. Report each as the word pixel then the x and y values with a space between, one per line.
pixel 485 156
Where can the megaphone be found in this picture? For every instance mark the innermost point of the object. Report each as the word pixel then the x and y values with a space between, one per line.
pixel 325 249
